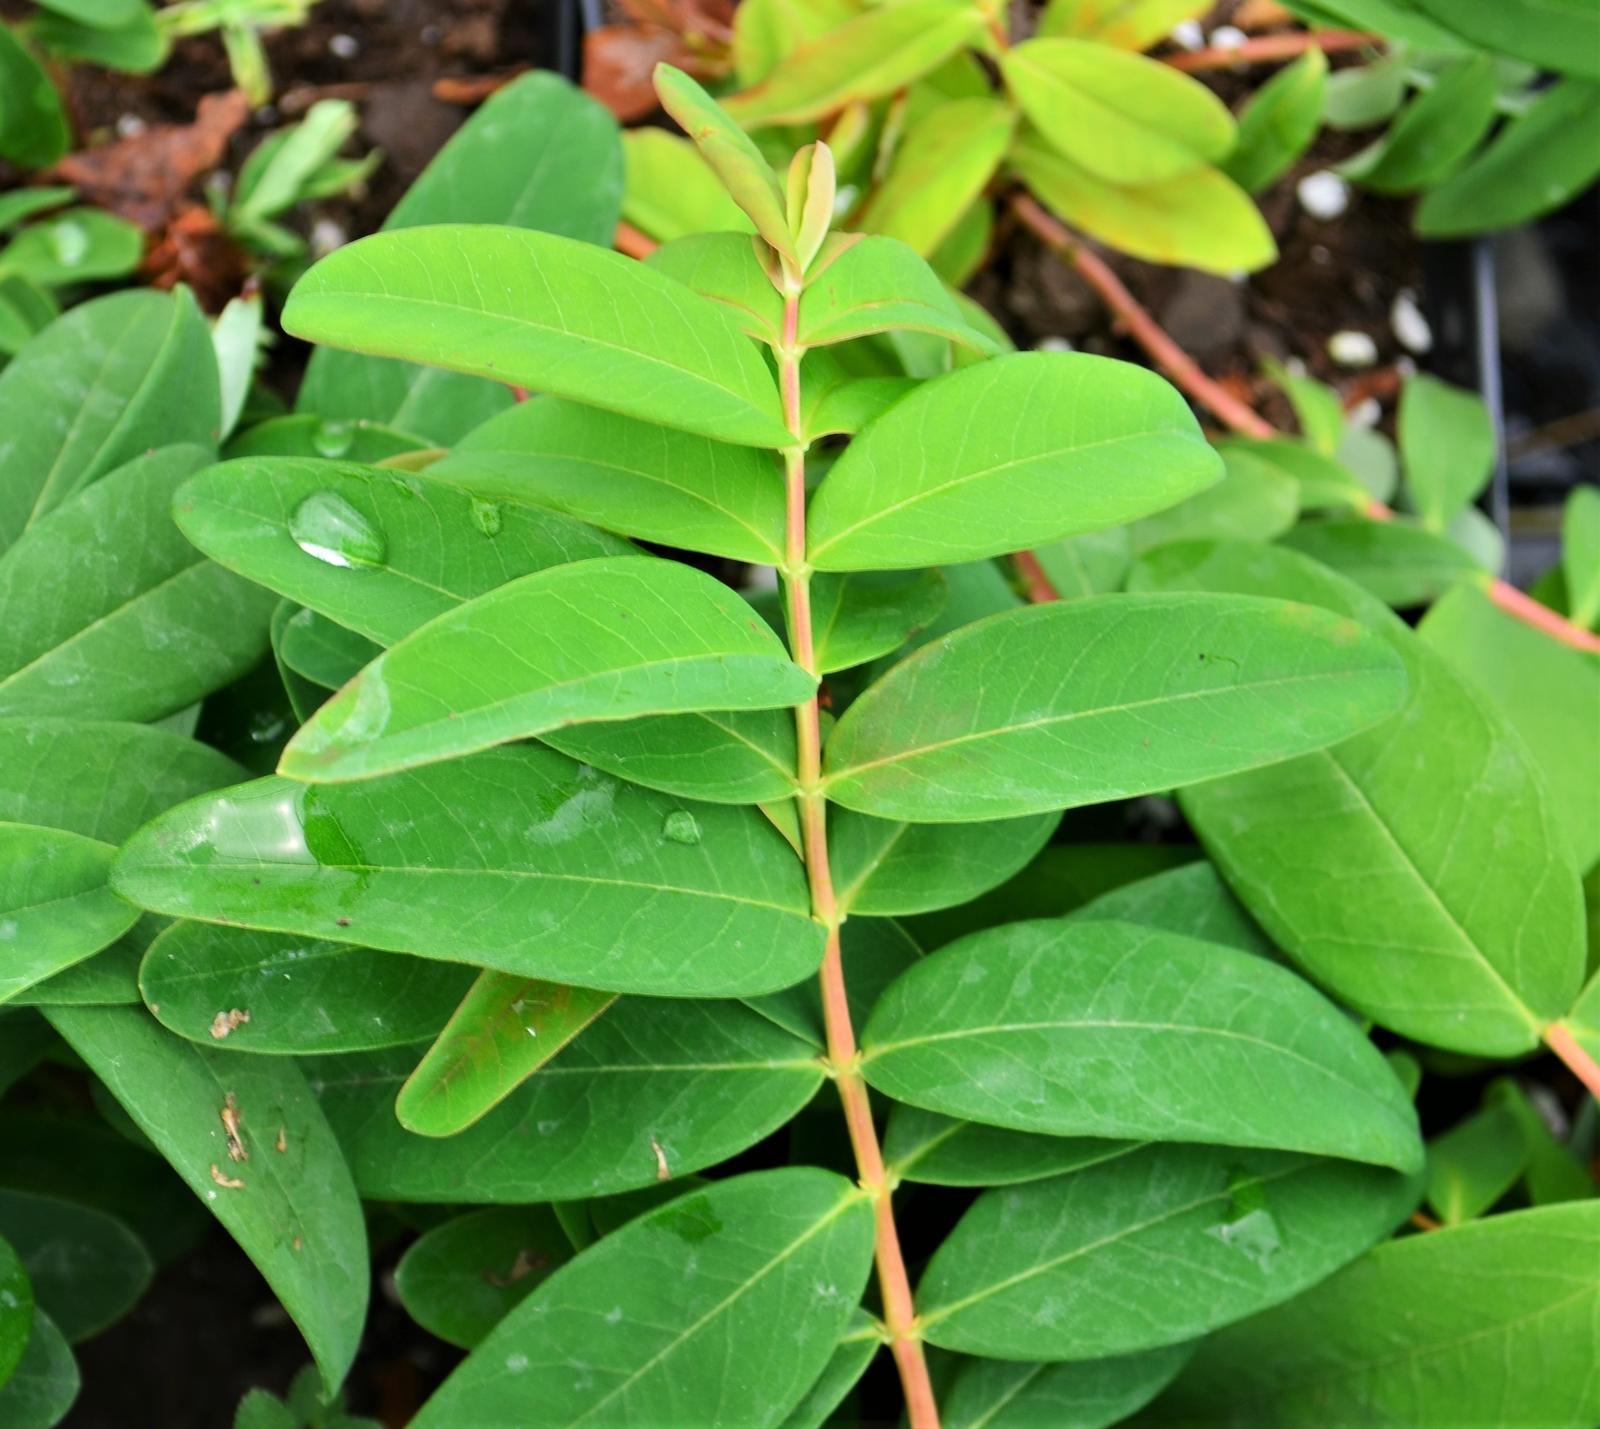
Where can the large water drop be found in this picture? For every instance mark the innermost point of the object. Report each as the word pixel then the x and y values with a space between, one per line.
pixel 328 527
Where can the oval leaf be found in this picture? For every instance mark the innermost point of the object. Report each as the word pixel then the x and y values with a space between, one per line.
pixel 987 722
pixel 597 640
pixel 531 864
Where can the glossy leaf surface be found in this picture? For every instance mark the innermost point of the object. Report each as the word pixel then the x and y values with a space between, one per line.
pixel 1161 692
pixel 592 881
pixel 940 1150
pixel 698 1080
pixel 1010 1394
pixel 747 1285
pixel 296 1214
pixel 571 320
pixel 1407 1335
pixel 596 640
pixel 1066 443
pixel 87 1269
pixel 1149 1249
pixel 381 552
pixel 271 992
pixel 1107 1029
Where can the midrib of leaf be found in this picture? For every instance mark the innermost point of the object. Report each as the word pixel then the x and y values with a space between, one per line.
pixel 415 871
pixel 996 731
pixel 1142 119
pixel 357 1081
pixel 847 894
pixel 1033 1373
pixel 691 1330
pixel 930 1317
pixel 1393 839
pixel 983 473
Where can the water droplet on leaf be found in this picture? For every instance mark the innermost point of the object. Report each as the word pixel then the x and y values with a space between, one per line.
pixel 333 439
pixel 1249 1228
pixel 70 241
pixel 328 527
pixel 681 827
pixel 486 516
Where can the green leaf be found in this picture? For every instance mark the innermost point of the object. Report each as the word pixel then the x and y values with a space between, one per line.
pixel 463 1277
pixel 296 1215
pixel 45 1382
pixel 504 1031
pixel 1322 481
pixel 392 550
pixel 1553 1173
pixel 1402 564
pixel 1192 900
pixel 729 269
pixel 253 990
pixel 334 438
pixel 98 778
pixel 1317 406
pixel 1200 219
pixel 745 174
pixel 1549 693
pixel 939 170
pixel 1149 1249
pixel 875 950
pixel 876 53
pixel 622 475
pixel 701 1081
pixel 34 132
pixel 1123 118
pixel 926 1147
pixel 571 319
pixel 1163 692
pixel 1129 24
pixel 321 651
pixel 1255 500
pixel 21 204
pixel 766 32
pixel 106 383
pixel 731 757
pixel 1408 1335
pixel 1091 564
pixel 1278 123
pixel 1475 1163
pixel 1580 554
pixel 86 1267
pixel 113 612
pixel 538 154
pixel 1447 441
pixel 860 616
pixel 881 868
pixel 1466 931
pixel 82 245
pixel 1563 35
pixel 1539 161
pixel 1436 131
pixel 1364 96
pixel 1073 1028
pixel 16 1303
pixel 1007 1394
pixel 55 907
pixel 929 483
pixel 877 284
pixel 531 864
pixel 597 640
pixel 110 978
pixel 700 1293
pixel 670 192
pixel 839 1376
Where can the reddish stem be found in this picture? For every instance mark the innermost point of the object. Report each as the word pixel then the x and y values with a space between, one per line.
pixel 1141 327
pixel 1559 1039
pixel 635 244
pixel 1526 609
pixel 1266 48
pixel 1036 585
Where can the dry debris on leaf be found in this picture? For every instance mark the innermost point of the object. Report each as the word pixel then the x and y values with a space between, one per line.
pixel 225 1022
pixel 229 1183
pixel 231 1117
pixel 663 1171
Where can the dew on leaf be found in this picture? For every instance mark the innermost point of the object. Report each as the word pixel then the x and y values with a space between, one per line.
pixel 1249 1227
pixel 329 528
pixel 485 516
pixel 681 827
pixel 70 241
pixel 333 439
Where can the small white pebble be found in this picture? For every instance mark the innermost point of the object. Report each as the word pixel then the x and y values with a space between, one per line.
pixel 1365 413
pixel 1295 366
pixel 130 126
pixel 326 235
pixel 1352 349
pixel 267 115
pixel 345 47
pixel 1227 37
pixel 1054 344
pixel 1188 35
pixel 1323 194
pixel 1410 326
pixel 1319 254
pixel 763 578
pixel 1406 366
